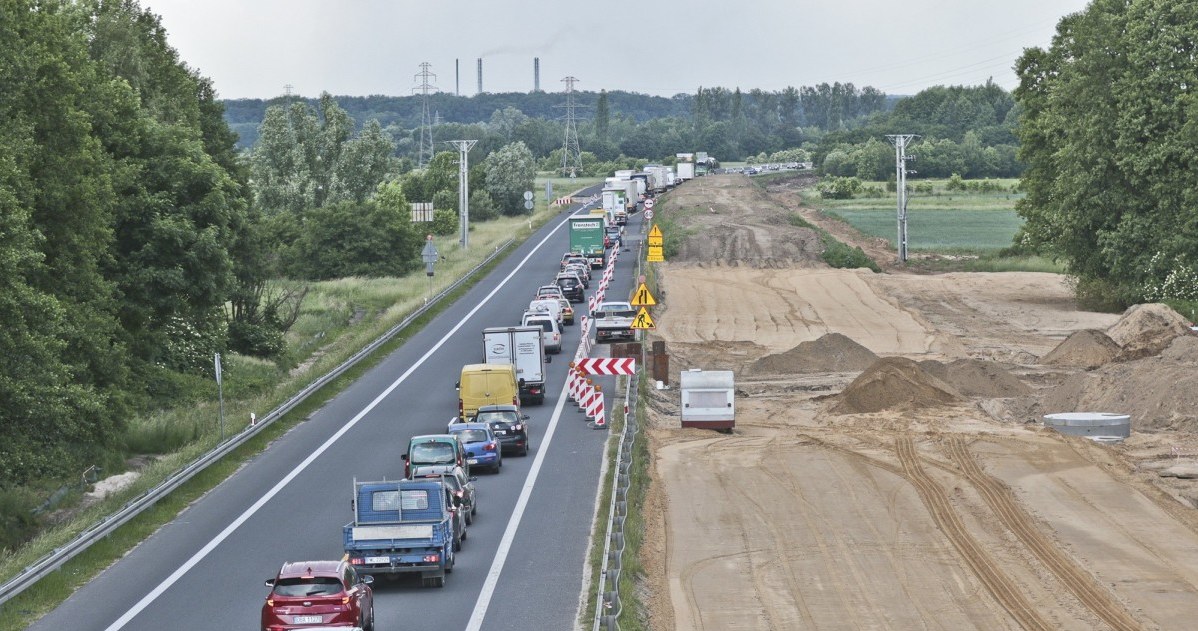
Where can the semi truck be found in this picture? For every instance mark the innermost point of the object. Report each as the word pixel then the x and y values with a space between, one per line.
pixel 402 527
pixel 586 238
pixel 524 348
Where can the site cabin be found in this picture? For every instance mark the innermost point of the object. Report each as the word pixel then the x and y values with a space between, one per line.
pixel 708 399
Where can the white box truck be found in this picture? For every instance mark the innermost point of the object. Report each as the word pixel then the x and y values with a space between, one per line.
pixel 686 171
pixel 524 348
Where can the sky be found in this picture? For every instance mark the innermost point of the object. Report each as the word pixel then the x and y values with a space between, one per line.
pixel 254 48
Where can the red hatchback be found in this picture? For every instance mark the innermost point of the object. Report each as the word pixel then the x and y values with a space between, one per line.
pixel 315 593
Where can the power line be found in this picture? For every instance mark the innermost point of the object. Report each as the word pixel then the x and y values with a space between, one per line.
pixel 571 153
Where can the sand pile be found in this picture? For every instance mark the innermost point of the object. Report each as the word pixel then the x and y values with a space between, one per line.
pixel 1088 348
pixel 1146 330
pixel 1156 392
pixel 977 378
pixel 1183 349
pixel 894 383
pixel 832 352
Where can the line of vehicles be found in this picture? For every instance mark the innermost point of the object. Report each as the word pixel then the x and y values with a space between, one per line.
pixel 418 524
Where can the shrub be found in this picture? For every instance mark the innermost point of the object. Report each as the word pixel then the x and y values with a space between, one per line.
pixel 839 187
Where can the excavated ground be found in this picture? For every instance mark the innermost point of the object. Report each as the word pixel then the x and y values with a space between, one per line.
pixel 887 470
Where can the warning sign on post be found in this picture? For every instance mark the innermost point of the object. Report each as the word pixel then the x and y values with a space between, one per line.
pixel 642 298
pixel 643 320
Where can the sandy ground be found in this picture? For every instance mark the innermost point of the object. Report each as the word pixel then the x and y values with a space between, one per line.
pixel 941 509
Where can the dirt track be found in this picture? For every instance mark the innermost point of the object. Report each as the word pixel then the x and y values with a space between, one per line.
pixel 950 512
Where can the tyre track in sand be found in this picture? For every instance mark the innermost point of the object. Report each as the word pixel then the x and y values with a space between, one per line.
pixel 1080 582
pixel 1000 586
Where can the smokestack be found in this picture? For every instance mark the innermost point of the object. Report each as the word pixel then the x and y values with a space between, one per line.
pixel 457 78
pixel 536 74
pixel 480 75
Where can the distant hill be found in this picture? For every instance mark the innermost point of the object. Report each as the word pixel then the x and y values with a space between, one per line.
pixel 244 115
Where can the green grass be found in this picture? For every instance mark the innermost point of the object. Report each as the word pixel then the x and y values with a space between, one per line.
pixel 182 435
pixel 943 231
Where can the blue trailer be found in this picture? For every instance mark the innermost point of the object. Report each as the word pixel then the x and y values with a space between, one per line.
pixel 402 527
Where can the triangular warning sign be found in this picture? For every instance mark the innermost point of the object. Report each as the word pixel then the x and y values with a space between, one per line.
pixel 655 232
pixel 642 298
pixel 643 320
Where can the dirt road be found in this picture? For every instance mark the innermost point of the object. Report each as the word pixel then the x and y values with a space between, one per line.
pixel 864 491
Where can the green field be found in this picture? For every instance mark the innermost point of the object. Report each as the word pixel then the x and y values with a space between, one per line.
pixel 949 222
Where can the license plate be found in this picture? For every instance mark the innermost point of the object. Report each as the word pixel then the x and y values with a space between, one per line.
pixel 307 619
pixel 472 461
pixel 500 432
pixel 374 560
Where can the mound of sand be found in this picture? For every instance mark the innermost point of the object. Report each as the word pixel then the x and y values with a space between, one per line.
pixel 1088 348
pixel 1183 349
pixel 977 378
pixel 1146 330
pixel 1157 393
pixel 832 352
pixel 894 383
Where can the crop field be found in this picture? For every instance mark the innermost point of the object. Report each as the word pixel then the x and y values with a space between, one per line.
pixel 940 221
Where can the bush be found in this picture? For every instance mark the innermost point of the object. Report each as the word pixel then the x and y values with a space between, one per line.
pixel 17 523
pixel 482 207
pixel 445 221
pixel 839 187
pixel 955 183
pixel 841 256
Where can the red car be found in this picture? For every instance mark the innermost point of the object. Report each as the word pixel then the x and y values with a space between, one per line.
pixel 309 594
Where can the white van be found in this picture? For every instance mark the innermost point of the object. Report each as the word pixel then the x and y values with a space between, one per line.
pixel 550 331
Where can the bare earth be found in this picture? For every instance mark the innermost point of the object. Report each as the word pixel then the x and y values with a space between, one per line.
pixel 900 494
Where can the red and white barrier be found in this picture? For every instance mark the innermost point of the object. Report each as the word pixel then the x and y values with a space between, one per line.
pixel 606 366
pixel 595 411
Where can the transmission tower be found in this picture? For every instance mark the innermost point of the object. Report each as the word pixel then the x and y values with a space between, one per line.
pixel 900 142
pixel 424 77
pixel 571 154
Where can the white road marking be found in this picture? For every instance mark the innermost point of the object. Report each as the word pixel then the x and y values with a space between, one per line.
pixel 509 534
pixel 249 512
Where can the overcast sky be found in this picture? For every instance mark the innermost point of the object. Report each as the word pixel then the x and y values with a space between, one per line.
pixel 253 48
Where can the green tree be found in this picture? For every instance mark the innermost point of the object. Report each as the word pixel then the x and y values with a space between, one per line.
pixel 602 117
pixel 482 207
pixel 1109 136
pixel 510 172
pixel 347 239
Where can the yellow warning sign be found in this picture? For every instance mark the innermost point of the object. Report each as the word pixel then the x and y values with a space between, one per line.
pixel 655 255
pixel 642 298
pixel 643 320
pixel 655 236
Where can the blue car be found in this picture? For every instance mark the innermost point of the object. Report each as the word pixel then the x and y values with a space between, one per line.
pixel 482 447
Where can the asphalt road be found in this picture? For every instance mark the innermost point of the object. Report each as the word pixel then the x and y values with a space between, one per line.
pixel 205 569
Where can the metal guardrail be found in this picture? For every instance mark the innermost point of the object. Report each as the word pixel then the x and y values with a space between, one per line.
pixel 134 507
pixel 607 598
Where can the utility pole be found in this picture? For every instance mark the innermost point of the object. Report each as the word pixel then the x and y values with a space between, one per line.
pixel 900 142
pixel 571 154
pixel 463 147
pixel 424 78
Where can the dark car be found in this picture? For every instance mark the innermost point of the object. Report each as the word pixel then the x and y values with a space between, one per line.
pixel 612 233
pixel 318 594
pixel 571 286
pixel 508 425
pixel 461 484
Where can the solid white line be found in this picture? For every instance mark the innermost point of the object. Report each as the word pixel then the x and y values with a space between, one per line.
pixel 249 512
pixel 513 523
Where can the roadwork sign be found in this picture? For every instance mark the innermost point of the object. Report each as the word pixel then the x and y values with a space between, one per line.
pixel 642 298
pixel 643 320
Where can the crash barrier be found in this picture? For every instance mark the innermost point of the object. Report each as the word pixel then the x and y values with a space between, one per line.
pixel 607 598
pixel 563 201
pixel 607 603
pixel 109 523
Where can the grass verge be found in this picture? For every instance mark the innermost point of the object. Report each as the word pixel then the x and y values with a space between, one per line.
pixel 339 342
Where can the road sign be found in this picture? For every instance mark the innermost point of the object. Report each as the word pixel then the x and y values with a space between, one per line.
pixel 642 298
pixel 649 214
pixel 655 255
pixel 528 204
pixel 528 196
pixel 606 366
pixel 649 203
pixel 655 236
pixel 643 320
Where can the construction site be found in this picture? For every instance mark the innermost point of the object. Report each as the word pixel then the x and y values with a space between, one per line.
pixel 890 467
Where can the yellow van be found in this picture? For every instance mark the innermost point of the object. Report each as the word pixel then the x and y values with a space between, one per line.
pixel 486 384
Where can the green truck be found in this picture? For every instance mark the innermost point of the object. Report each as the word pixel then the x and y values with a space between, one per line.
pixel 586 238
